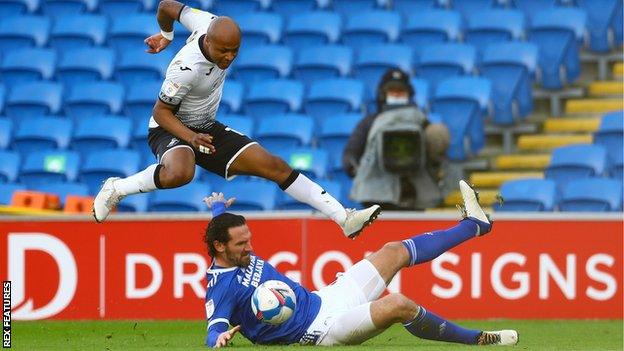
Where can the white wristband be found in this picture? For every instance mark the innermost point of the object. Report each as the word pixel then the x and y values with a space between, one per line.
pixel 167 35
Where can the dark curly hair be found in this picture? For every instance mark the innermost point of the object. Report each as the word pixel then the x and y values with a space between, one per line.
pixel 218 230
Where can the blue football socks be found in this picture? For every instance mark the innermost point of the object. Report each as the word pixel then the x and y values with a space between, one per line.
pixel 427 325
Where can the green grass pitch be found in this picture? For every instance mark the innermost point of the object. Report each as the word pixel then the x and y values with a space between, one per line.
pixel 189 335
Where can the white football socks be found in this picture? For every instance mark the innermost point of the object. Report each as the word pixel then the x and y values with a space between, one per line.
pixel 141 182
pixel 307 191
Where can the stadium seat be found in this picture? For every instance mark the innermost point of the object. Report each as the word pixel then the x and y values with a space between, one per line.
pixel 100 133
pixel 17 7
pixel 240 123
pixel 187 198
pixel 532 195
pixel 114 8
pixel 140 100
pixel 100 165
pixel 617 24
pixel 263 62
pixel 28 64
pixel 616 169
pixel 334 96
pixel 7 190
pixel 347 7
pixel 334 133
pixel 610 134
pixel 591 195
pixel 75 32
pixel 412 7
pixel 49 167
pixel 492 26
pixel 17 32
pixel 600 15
pixel 237 7
pixel 370 28
pixel 85 65
pixel 288 203
pixel 63 190
pixel 440 61
pixel 314 163
pixel 272 97
pixel 510 66
pixel 430 27
pixel 468 8
pixel 284 132
pixel 3 94
pixel 135 66
pixel 134 203
pixel 232 97
pixel 22 103
pixel 290 7
pixel 251 195
pixel 531 7
pixel 460 103
pixel 94 99
pixel 260 28
pixel 42 133
pixel 576 162
pixel 6 132
pixel 374 60
pixel 59 8
pixel 323 62
pixel 128 32
pixel 422 91
pixel 9 166
pixel 557 34
pixel 308 29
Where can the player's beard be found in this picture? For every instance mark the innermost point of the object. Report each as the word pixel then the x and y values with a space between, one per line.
pixel 241 260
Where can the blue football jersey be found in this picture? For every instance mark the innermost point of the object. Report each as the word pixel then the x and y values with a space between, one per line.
pixel 228 300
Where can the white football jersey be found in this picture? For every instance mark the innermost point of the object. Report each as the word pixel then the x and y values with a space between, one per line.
pixel 193 83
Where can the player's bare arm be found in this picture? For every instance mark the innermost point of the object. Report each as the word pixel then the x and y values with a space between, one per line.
pixel 164 116
pixel 226 336
pixel 168 11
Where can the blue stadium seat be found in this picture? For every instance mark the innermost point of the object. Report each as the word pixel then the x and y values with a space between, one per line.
pixel 510 66
pixel 139 142
pixel 371 27
pixel 128 32
pixel 373 61
pixel 576 162
pixel 460 102
pixel 323 62
pixel 617 24
pixel 492 26
pixel 251 195
pixel 600 16
pixel 100 165
pixel 28 64
pixel 334 96
pixel 9 166
pixel 347 7
pixel 17 7
pixel 134 203
pixel 58 8
pixel 309 29
pixel 187 198
pixel 531 7
pixel 232 97
pixel 216 182
pixel 85 65
pixel 140 100
pixel 260 28
pixel 22 103
pixel 314 163
pixel 237 7
pixel 240 123
pixel 123 7
pixel 422 92
pixel 99 133
pixel 290 7
pixel 18 32
pixel 287 202
pixel 42 133
pixel 616 169
pixel 430 27
pixel 264 62
pixel 273 97
pixel 49 167
pixel 558 33
pixel 74 32
pixel 7 190
pixel 335 132
pixel 63 189
pixel 94 99
pixel 591 195
pixel 412 7
pixel 135 66
pixel 284 132
pixel 440 61
pixel 6 132
pixel 522 195
pixel 610 134
pixel 470 7
pixel 3 95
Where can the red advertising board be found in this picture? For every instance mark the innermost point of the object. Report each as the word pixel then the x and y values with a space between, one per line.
pixel 156 269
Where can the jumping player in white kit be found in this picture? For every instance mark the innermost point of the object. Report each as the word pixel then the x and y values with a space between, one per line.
pixel 350 310
pixel 183 130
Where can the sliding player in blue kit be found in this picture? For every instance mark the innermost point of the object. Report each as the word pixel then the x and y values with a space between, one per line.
pixel 349 311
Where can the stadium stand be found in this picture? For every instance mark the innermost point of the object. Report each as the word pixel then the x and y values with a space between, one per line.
pixel 373 60
pixel 305 30
pixel 6 132
pixel 492 26
pixel 9 166
pixel 371 27
pixel 25 65
pixel 591 195
pixel 263 62
pixel 63 190
pixel 274 137
pixel 314 163
pixel 260 28
pixel 334 96
pixel 533 195
pixel 100 133
pixel 272 97
pixel 57 8
pixel 240 123
pixel 18 32
pixel 289 7
pixel 140 99
pixel 18 7
pixel 48 167
pixel 323 62
pixel 78 31
pixel 84 65
pixel 442 61
pixel 183 199
pixel 232 97
pixel 94 99
pixel 42 133
pixel 122 7
pixel 576 161
pixel 22 103
pixel 135 66
pixel 431 26
pixel 251 195
pixel 101 164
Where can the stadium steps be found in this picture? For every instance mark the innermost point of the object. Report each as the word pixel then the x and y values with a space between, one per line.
pixel 571 125
pixel 487 197
pixel 618 70
pixel 494 179
pixel 543 142
pixel 521 162
pixel 606 88
pixel 593 105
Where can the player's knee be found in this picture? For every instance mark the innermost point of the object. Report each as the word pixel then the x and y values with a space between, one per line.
pixel 403 308
pixel 176 176
pixel 278 168
pixel 394 249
